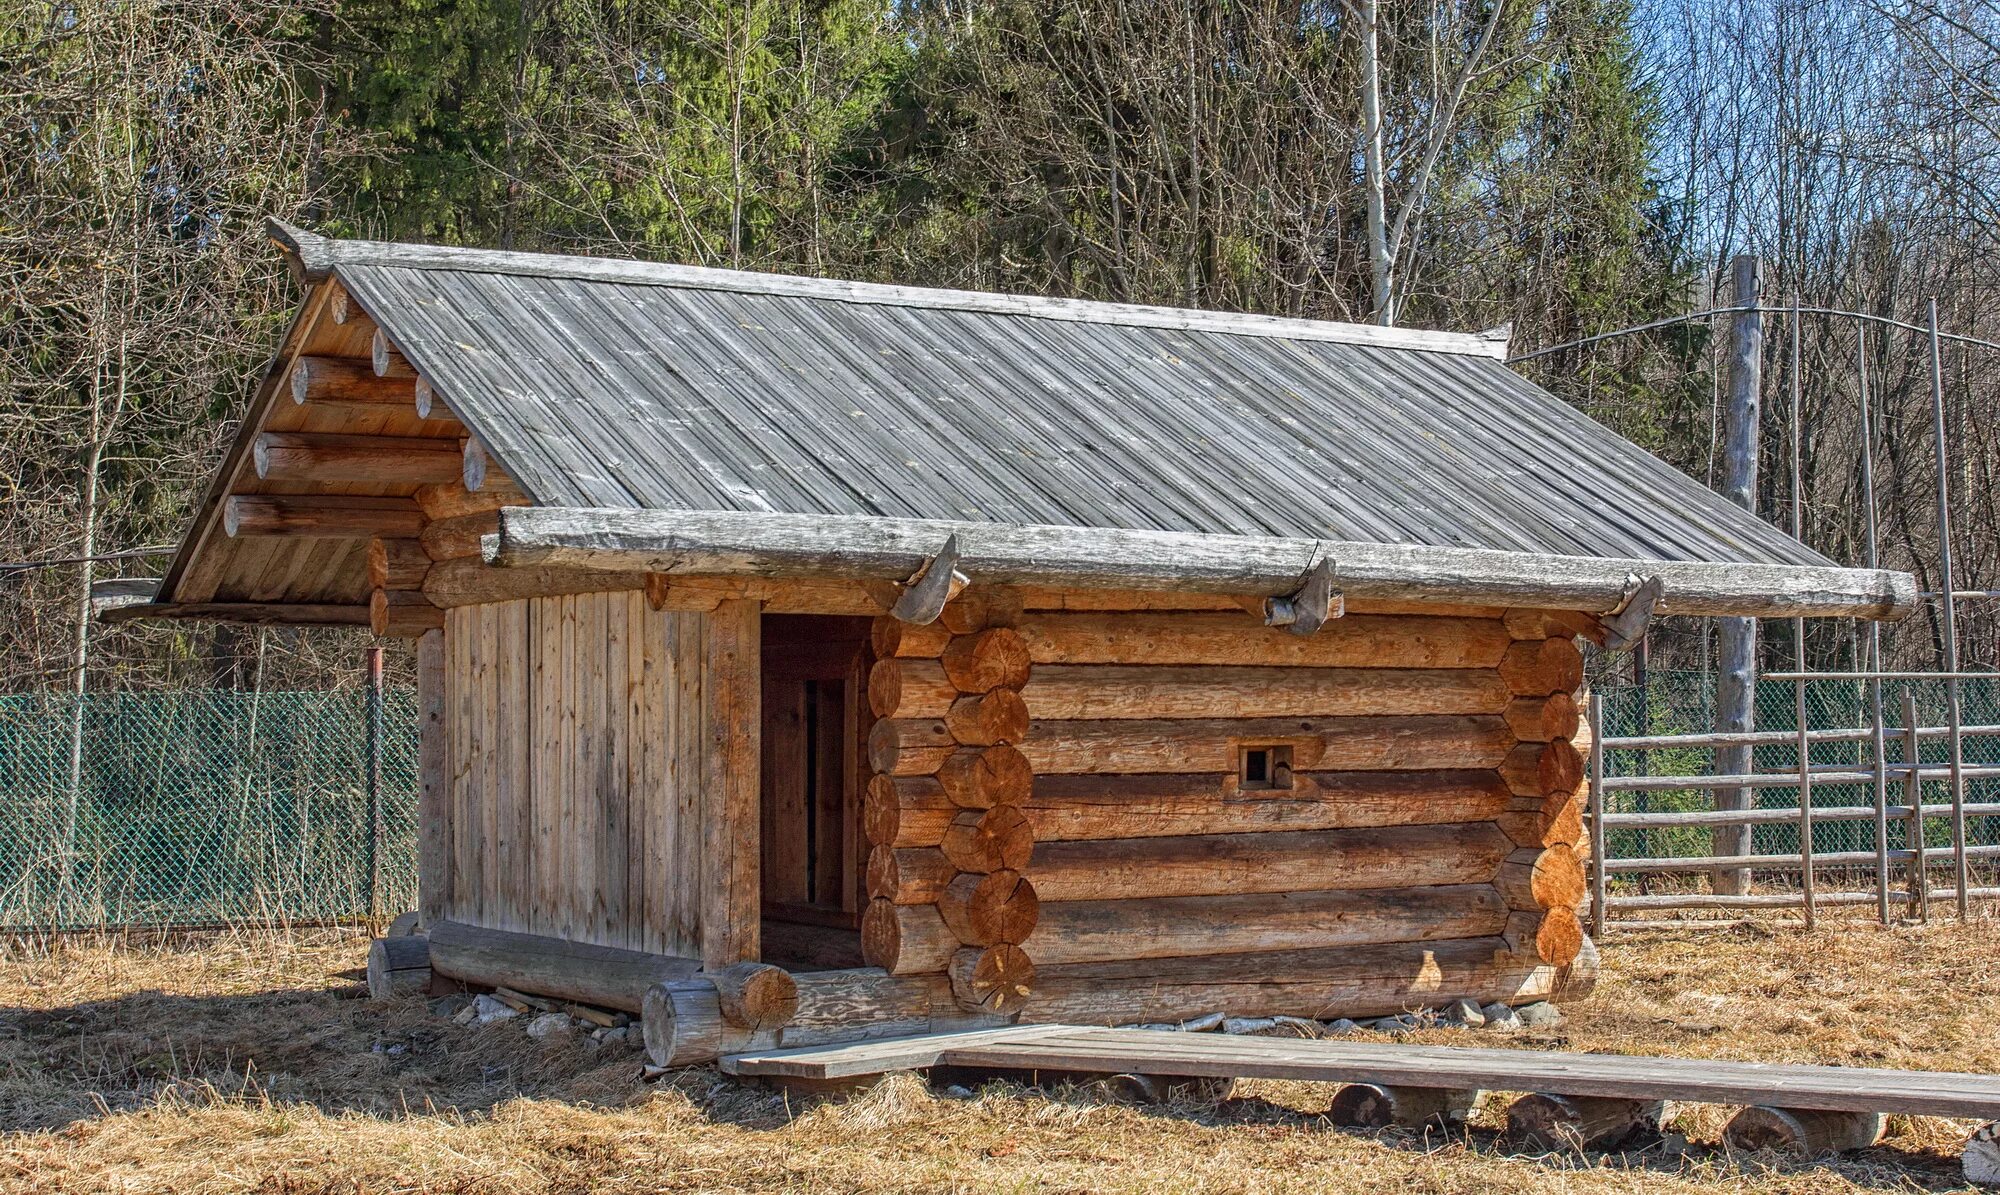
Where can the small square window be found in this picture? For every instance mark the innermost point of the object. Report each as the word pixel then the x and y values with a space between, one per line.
pixel 1265 768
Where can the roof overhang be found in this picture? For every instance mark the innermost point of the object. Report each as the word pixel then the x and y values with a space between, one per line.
pixel 721 543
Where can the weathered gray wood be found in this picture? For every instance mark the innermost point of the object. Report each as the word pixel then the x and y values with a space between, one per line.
pixel 684 1022
pixel 1982 1155
pixel 1637 1078
pixel 1374 1106
pixel 260 613
pixel 318 257
pixel 1545 1121
pixel 1802 1130
pixel 398 966
pixel 547 966
pixel 786 545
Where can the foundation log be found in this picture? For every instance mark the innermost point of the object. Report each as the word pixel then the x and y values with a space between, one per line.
pixel 398 966
pixel 604 976
pixel 1318 744
pixel 1555 936
pixel 1356 641
pixel 1564 1123
pixel 992 659
pixel 1802 1131
pixel 1184 927
pixel 990 910
pixel 988 719
pixel 1371 1106
pixel 997 979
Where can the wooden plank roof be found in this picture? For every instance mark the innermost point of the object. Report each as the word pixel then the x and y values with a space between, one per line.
pixel 600 383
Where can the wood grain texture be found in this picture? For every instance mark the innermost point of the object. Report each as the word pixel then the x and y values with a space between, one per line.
pixel 730 905
pixel 1213 744
pixel 1357 641
pixel 1062 692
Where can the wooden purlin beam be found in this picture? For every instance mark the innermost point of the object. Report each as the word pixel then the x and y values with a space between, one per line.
pixel 353 459
pixel 339 379
pixel 324 515
pixel 866 548
pixel 267 613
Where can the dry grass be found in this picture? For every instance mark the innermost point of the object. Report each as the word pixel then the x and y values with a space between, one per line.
pixel 234 1063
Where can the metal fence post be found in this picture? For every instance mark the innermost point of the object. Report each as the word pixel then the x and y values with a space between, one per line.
pixel 374 769
pixel 1597 915
pixel 1913 796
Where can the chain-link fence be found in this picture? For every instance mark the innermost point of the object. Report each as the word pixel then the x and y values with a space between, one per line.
pixel 1674 703
pixel 204 807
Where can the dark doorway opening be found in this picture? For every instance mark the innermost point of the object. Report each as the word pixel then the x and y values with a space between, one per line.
pixel 815 734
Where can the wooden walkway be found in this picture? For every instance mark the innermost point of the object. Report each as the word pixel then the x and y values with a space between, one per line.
pixel 1613 1076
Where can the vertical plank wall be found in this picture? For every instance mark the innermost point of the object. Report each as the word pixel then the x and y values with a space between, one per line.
pixel 598 771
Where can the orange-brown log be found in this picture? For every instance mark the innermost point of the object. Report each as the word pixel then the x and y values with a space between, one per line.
pixel 457 537
pixel 1541 719
pixel 981 778
pixel 997 839
pixel 1552 624
pixel 906 939
pixel 1543 769
pixel 1072 931
pixel 895 639
pixel 354 460
pixel 1546 821
pixel 470 581
pixel 909 688
pixel 402 614
pixel 318 379
pixel 915 875
pixel 980 607
pixel 987 910
pixel 905 811
pixel 909 746
pixel 397 563
pixel 1356 641
pixel 1033 597
pixel 756 995
pixel 992 659
pixel 1285 861
pixel 1539 667
pixel 444 500
pixel 1551 878
pixel 988 719
pixel 331 516
pixel 1317 744
pixel 1062 692
pixel 997 979
pixel 1555 936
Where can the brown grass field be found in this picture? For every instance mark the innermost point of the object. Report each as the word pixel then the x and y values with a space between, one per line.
pixel 236 1062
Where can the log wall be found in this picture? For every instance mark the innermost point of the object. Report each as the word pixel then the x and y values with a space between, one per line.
pixel 1058 804
pixel 598 787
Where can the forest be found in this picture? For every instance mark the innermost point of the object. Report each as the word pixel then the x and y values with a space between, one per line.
pixel 1566 167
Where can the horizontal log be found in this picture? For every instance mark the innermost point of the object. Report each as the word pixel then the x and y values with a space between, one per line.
pixel 469 582
pixel 1543 769
pixel 604 976
pixel 457 536
pixel 866 547
pixel 402 614
pixel 914 811
pixel 683 1024
pixel 988 719
pixel 449 499
pixel 1285 861
pixel 254 613
pixel 1036 597
pixel 988 910
pixel 1551 878
pixel 1356 641
pixel 326 516
pixel 1542 1122
pixel 909 688
pixel 1072 931
pixel 1076 692
pixel 754 995
pixel 893 638
pixel 1537 668
pixel 703 594
pixel 995 658
pixel 398 966
pixel 1552 624
pixel 906 939
pixel 397 563
pixel 977 608
pixel 916 875
pixel 387 361
pixel 1213 744
pixel 322 378
pixel 354 460
pixel 1540 719
pixel 1350 981
pixel 984 777
pixel 1555 936
pixel 996 839
pixel 1545 821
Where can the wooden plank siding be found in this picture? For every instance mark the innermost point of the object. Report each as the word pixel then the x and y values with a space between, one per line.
pixel 593 759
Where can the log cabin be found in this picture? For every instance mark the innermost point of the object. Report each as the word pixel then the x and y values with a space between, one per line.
pixel 803 661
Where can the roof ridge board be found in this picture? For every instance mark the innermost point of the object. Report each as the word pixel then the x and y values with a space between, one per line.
pixel 316 257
